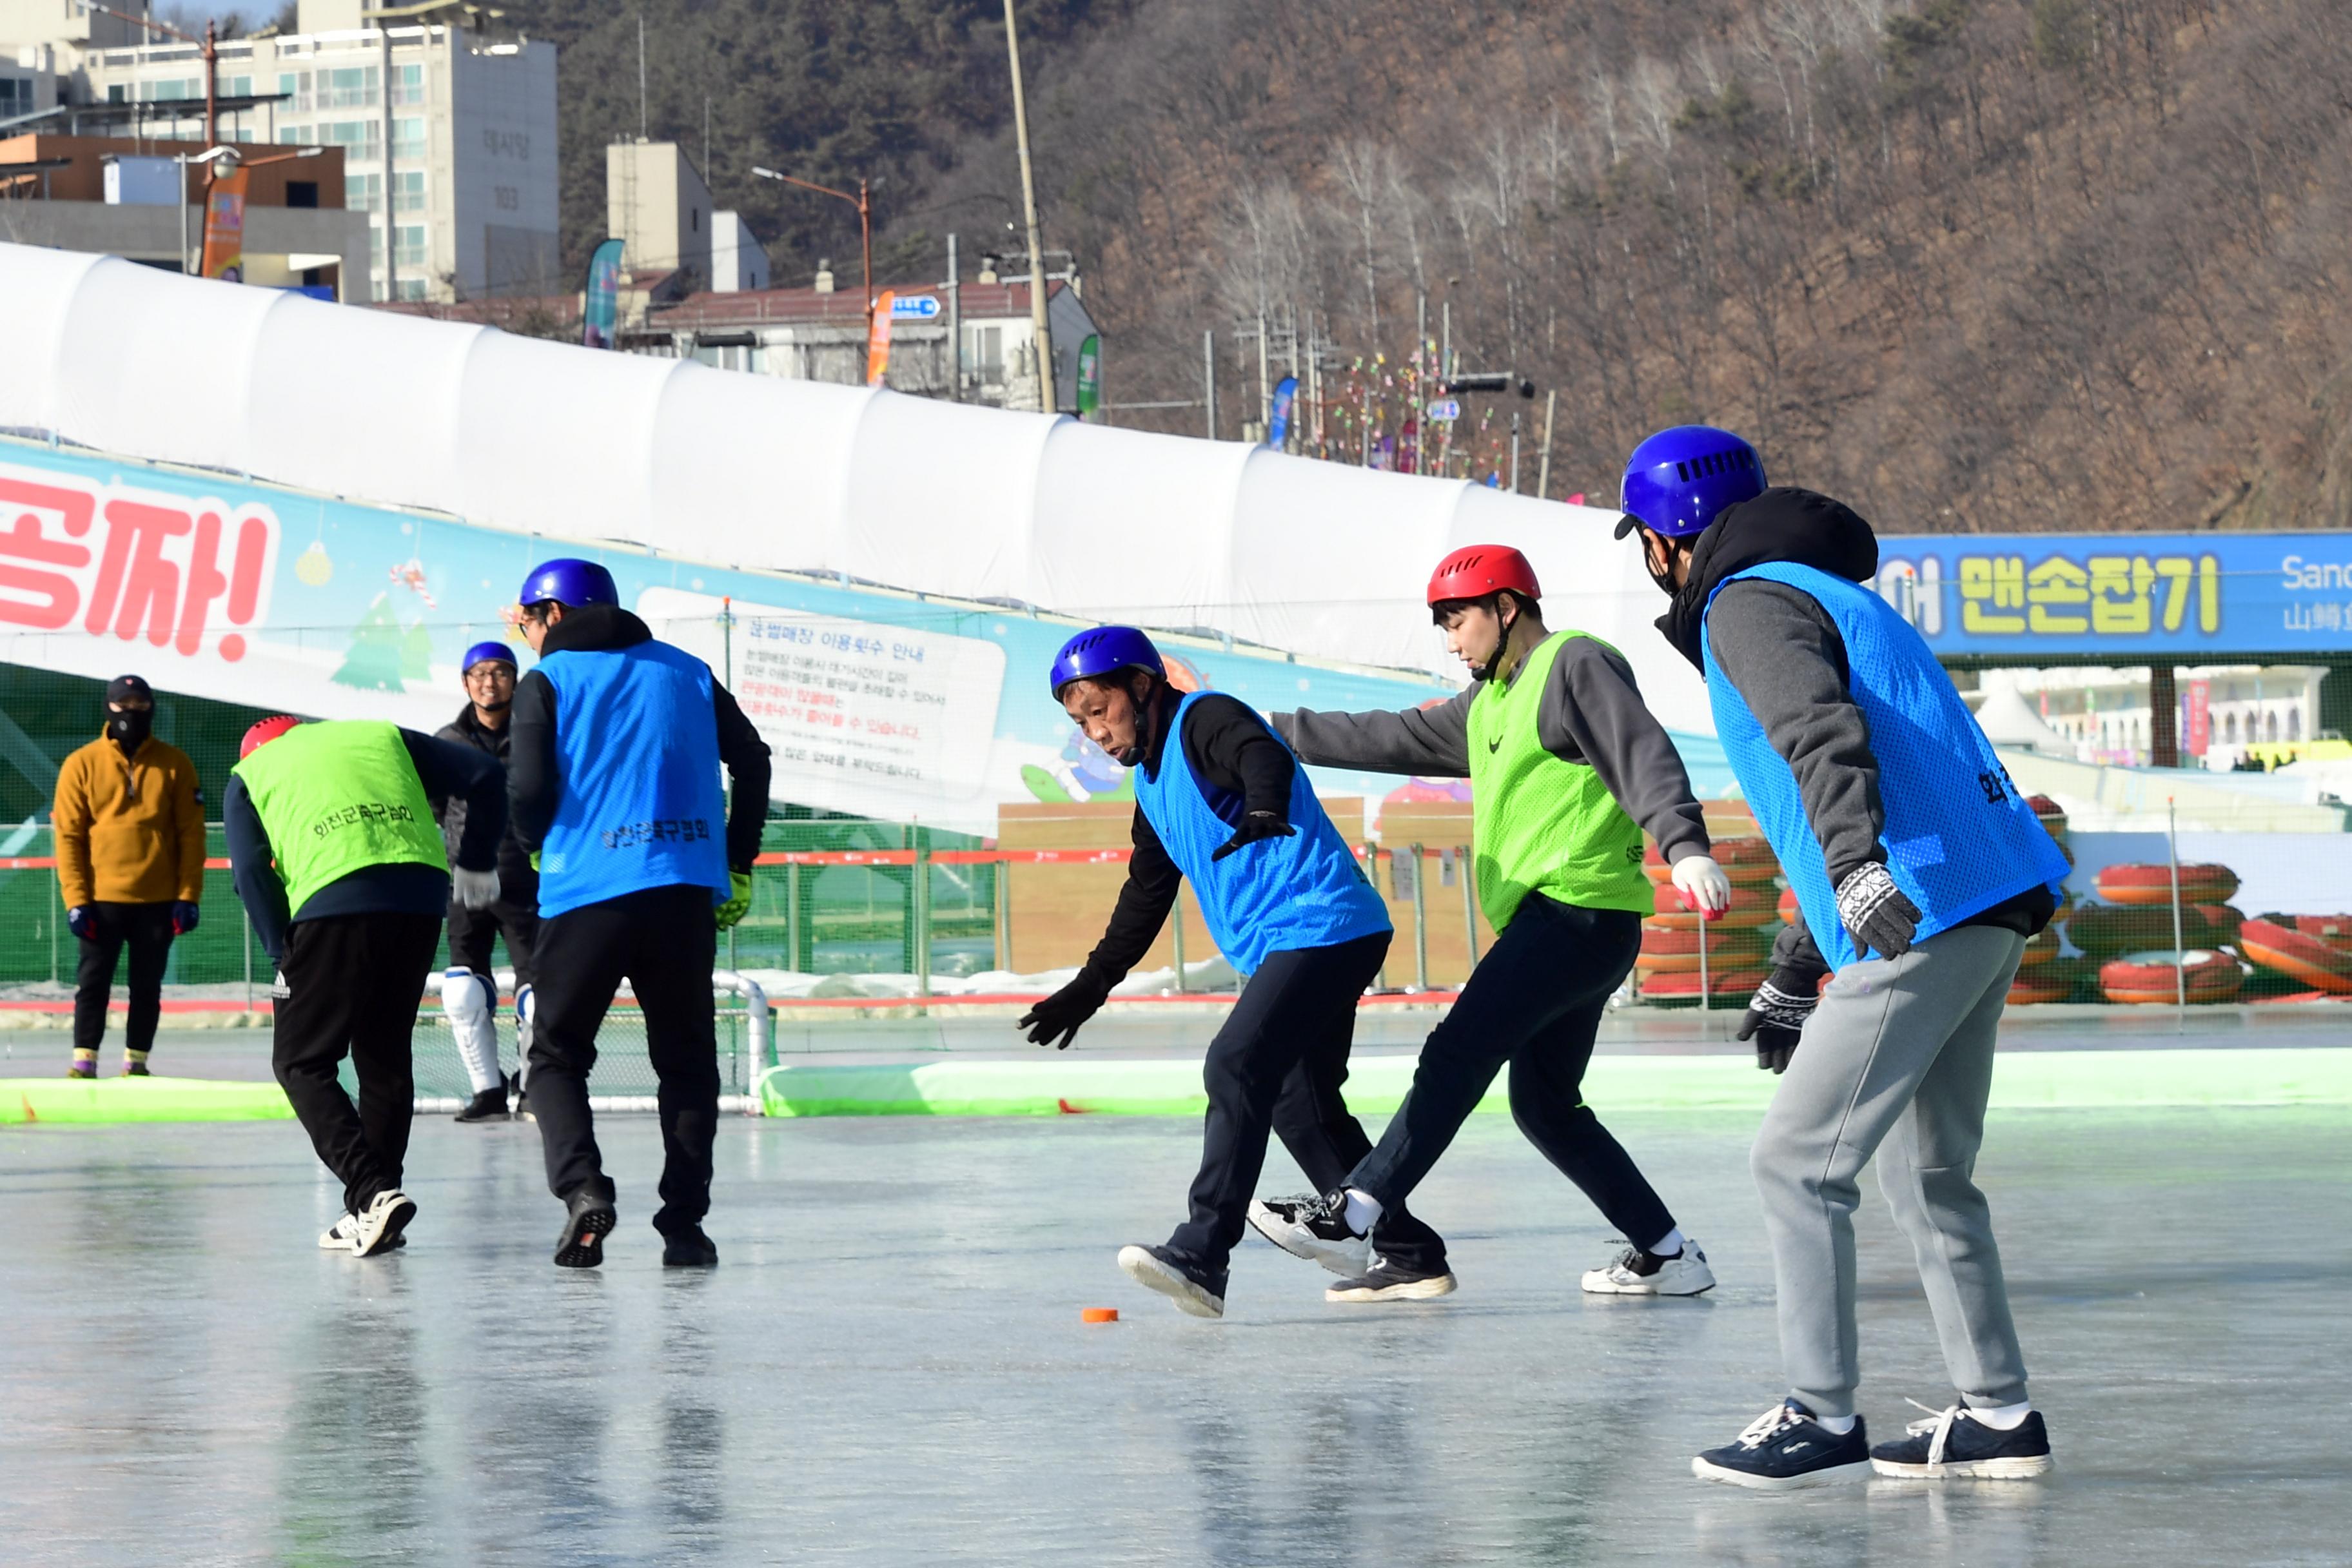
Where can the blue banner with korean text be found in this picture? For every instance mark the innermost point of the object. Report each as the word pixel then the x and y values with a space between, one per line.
pixel 2122 595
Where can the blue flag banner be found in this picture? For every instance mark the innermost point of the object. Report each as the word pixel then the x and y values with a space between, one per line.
pixel 601 307
pixel 2122 595
pixel 1277 429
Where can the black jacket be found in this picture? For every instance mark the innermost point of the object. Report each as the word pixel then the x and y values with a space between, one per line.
pixel 1243 768
pixel 446 771
pixel 534 782
pixel 1783 654
pixel 517 882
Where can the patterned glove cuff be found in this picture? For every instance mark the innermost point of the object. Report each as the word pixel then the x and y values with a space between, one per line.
pixel 1867 890
pixel 1789 1009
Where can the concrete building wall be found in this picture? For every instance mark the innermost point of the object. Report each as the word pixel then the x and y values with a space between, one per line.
pixel 24 22
pixel 274 237
pixel 656 202
pixel 501 173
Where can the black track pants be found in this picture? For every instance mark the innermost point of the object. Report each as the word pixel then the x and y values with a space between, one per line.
pixel 1278 1066
pixel 1535 1002
pixel 146 930
pixel 353 984
pixel 665 942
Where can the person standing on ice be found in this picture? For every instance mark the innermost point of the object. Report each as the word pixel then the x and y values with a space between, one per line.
pixel 1221 801
pixel 612 779
pixel 470 994
pixel 1919 874
pixel 333 849
pixel 1557 746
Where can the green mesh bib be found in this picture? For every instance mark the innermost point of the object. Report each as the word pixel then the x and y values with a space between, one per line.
pixel 1544 826
pixel 336 798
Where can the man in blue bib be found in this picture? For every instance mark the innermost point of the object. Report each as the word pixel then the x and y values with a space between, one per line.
pixel 613 777
pixel 1221 801
pixel 1919 874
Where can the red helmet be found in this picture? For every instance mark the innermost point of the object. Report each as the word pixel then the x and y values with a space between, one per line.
pixel 261 734
pixel 1476 571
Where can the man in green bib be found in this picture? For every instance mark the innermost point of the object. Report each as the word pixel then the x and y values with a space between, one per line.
pixel 1558 750
pixel 337 857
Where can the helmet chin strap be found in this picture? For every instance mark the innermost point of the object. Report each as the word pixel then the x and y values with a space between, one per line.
pixel 1486 672
pixel 1147 725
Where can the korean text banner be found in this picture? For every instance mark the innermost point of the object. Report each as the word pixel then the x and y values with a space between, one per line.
pixel 2123 596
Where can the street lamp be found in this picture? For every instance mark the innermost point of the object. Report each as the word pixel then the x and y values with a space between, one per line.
pixel 229 159
pixel 865 232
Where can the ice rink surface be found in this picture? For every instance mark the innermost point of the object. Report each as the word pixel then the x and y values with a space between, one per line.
pixel 889 1367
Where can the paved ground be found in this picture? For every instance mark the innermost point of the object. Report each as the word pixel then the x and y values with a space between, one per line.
pixel 889 1367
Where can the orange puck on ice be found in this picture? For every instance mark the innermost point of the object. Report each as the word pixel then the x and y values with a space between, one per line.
pixel 1099 1314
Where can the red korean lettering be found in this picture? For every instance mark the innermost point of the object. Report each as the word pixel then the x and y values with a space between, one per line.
pixel 24 541
pixel 206 583
pixel 133 571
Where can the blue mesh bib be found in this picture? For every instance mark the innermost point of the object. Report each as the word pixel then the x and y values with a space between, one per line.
pixel 1958 838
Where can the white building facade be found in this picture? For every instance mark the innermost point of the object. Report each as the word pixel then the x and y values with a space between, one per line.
pixel 472 171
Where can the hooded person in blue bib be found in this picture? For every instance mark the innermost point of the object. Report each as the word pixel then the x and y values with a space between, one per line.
pixel 1222 802
pixel 612 781
pixel 1919 874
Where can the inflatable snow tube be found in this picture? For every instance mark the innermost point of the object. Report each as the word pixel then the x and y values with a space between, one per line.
pixel 2043 984
pixel 1724 987
pixel 1787 907
pixel 2039 950
pixel 2221 921
pixel 2109 931
pixel 2051 816
pixel 2297 954
pixel 2143 885
pixel 2147 978
pixel 1748 862
pixel 1750 907
pixel 1677 952
pixel 2335 931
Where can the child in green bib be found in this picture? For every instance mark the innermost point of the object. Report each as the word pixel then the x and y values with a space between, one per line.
pixel 1567 768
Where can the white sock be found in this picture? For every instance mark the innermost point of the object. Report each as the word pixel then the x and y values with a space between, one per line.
pixel 1671 1247
pixel 1841 1424
pixel 1363 1212
pixel 2002 1418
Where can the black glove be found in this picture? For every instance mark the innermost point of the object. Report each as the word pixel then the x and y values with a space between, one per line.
pixel 1878 915
pixel 1064 1010
pixel 183 918
pixel 1775 1016
pixel 1257 824
pixel 82 920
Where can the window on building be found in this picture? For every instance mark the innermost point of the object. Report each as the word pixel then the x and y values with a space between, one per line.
pixel 364 193
pixel 237 87
pixel 117 92
pixel 302 194
pixel 411 251
pixel 408 84
pixel 359 136
pixel 2230 728
pixel 351 88
pixel 297 85
pixel 2269 725
pixel 16 97
pixel 293 135
pixel 2295 723
pixel 988 353
pixel 408 137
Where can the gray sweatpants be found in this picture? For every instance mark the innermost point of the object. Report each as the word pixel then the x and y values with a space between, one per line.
pixel 1897 1061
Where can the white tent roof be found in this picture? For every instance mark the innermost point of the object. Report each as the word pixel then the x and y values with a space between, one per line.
pixel 2008 719
pixel 1319 559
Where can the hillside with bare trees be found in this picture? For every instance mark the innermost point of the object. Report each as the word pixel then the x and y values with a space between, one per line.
pixel 1974 264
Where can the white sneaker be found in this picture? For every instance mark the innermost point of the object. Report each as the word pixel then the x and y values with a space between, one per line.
pixel 341 1235
pixel 378 1229
pixel 1634 1272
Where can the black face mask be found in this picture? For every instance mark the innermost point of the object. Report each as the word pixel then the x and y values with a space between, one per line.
pixel 131 728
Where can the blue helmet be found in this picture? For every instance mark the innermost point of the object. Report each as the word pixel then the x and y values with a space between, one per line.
pixel 1678 480
pixel 1104 650
pixel 570 582
pixel 485 653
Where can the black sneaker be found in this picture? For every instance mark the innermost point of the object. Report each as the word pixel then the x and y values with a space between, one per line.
pixel 688 1248
pixel 1785 1447
pixel 82 1070
pixel 1193 1288
pixel 590 1220
pixel 1316 1229
pixel 135 1070
pixel 491 1105
pixel 1389 1280
pixel 1955 1443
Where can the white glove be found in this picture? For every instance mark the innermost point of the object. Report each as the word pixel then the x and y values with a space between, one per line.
pixel 1702 884
pixel 475 890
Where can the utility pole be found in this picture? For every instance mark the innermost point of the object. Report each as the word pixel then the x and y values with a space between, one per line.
pixel 391 230
pixel 1209 378
pixel 1543 467
pixel 1515 451
pixel 1037 323
pixel 955 324
pixel 642 121
pixel 1265 386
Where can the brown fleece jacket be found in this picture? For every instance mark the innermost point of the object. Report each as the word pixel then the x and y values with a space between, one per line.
pixel 130 830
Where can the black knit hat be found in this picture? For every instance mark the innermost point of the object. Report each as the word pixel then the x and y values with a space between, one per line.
pixel 123 688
